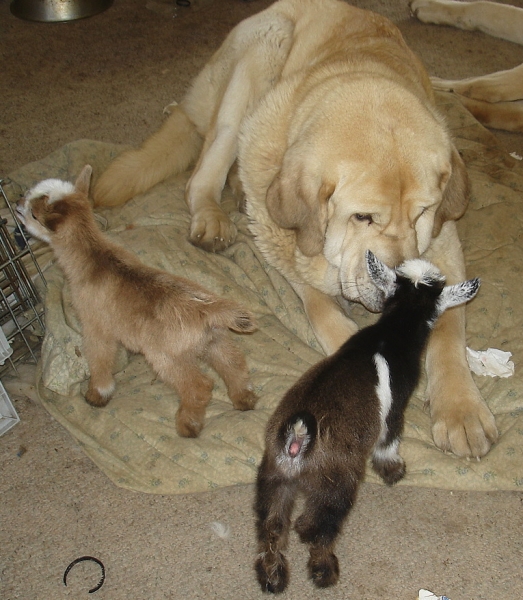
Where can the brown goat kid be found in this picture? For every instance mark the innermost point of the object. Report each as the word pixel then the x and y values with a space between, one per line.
pixel 172 321
pixel 347 408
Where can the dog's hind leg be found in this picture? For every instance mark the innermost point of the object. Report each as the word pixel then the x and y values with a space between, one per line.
pixel 229 362
pixel 502 86
pixel 172 149
pixel 507 116
pixel 275 499
pixel 499 20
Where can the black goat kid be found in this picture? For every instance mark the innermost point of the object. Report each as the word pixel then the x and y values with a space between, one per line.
pixel 344 409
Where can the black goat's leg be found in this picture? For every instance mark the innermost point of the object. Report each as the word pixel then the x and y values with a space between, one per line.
pixel 387 462
pixel 320 524
pixel 275 498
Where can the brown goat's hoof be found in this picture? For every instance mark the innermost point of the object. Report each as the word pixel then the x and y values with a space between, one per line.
pixel 273 572
pixel 245 401
pixel 324 572
pixel 94 398
pixel 188 427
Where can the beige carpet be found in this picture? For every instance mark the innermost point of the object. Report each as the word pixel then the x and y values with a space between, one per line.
pixel 107 78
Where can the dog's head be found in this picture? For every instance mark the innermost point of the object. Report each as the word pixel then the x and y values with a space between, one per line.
pixel 373 171
pixel 46 207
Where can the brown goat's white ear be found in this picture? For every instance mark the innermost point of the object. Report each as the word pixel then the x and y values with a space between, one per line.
pixel 454 295
pixel 384 277
pixel 84 179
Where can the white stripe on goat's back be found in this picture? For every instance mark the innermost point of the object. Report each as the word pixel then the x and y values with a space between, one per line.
pixel 383 389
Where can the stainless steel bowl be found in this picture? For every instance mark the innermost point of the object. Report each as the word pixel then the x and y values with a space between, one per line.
pixel 57 10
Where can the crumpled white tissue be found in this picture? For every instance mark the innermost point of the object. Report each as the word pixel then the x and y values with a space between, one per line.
pixel 221 529
pixel 492 362
pixel 426 595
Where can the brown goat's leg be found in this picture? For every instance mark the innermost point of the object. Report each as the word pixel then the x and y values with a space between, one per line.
pixel 100 354
pixel 194 389
pixel 320 524
pixel 229 362
pixel 275 498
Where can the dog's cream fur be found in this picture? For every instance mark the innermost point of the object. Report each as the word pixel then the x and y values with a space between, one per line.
pixel 496 99
pixel 172 321
pixel 331 120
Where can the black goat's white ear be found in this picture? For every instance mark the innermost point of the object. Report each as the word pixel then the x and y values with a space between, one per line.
pixel 454 295
pixel 384 277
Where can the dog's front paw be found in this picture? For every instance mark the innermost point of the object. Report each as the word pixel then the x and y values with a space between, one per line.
pixel 463 424
pixel 212 230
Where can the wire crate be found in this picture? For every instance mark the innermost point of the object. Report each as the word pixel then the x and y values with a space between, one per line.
pixel 21 306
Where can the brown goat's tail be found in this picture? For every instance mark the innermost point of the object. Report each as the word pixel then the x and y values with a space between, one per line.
pixel 231 315
pixel 172 149
pixel 242 321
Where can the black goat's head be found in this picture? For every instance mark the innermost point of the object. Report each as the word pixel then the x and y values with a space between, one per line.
pixel 420 274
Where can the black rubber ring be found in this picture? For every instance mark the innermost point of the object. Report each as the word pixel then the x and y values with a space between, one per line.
pixel 81 559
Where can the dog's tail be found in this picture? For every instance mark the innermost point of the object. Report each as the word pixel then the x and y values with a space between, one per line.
pixel 172 149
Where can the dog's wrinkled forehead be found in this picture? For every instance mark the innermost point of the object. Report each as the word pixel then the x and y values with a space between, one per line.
pixel 420 272
pixel 54 189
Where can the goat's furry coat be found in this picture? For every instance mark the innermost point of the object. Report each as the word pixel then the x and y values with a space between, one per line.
pixel 172 321
pixel 346 408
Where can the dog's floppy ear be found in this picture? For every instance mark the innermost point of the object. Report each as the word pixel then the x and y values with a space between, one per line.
pixel 297 200
pixel 455 195
pixel 84 179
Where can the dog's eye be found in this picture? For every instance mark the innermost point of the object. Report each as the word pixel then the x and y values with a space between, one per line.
pixel 362 217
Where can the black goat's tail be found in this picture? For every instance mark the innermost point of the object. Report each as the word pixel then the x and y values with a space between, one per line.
pixel 298 436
